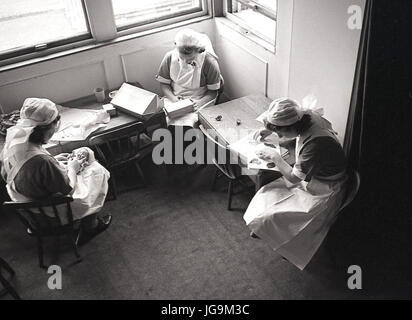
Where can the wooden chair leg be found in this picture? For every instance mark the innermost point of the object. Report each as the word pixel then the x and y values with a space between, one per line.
pixel 215 179
pixel 8 288
pixel 140 172
pixel 6 266
pixel 40 252
pixel 229 195
pixel 74 246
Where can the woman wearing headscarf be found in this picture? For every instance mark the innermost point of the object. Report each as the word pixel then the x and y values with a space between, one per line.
pixel 32 173
pixel 294 213
pixel 190 71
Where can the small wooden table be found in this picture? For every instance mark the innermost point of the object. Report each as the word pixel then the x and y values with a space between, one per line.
pixel 245 109
pixel 238 119
pixel 122 119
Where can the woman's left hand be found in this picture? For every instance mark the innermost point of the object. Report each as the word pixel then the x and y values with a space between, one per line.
pixel 268 154
pixel 62 157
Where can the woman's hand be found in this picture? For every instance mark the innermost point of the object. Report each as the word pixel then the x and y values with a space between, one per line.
pixel 265 153
pixel 261 135
pixel 63 157
pixel 268 154
pixel 74 164
pixel 174 98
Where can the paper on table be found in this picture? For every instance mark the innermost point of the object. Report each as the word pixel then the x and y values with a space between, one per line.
pixel 179 108
pixel 247 147
pixel 78 124
pixel 190 119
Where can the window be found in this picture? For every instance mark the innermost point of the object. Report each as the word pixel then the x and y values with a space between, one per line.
pixel 31 28
pixel 33 25
pixel 131 13
pixel 256 16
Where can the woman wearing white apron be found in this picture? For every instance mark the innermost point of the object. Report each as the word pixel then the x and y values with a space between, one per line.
pixel 31 173
pixel 294 213
pixel 190 71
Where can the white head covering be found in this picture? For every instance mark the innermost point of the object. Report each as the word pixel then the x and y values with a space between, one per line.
pixel 285 111
pixel 34 112
pixel 190 38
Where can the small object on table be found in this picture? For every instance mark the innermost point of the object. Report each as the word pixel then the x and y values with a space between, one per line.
pixel 110 109
pixel 112 94
pixel 99 94
pixel 219 118
pixel 238 122
pixel 255 161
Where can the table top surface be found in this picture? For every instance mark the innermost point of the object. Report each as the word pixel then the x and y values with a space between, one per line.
pixel 245 109
pixel 88 102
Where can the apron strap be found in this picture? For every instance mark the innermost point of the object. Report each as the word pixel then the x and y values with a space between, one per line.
pixel 16 168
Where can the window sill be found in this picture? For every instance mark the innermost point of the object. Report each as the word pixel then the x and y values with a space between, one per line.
pixel 87 45
pixel 247 34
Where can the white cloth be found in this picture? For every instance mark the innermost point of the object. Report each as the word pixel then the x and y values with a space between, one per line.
pixel 88 194
pixel 91 189
pixel 77 124
pixel 294 219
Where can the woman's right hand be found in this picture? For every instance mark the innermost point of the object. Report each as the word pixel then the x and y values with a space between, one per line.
pixel 261 135
pixel 74 164
pixel 175 98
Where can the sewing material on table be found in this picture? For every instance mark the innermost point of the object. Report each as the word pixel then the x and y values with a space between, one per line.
pixel 78 124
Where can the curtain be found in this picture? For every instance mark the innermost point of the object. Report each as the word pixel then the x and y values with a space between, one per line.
pixel 376 229
pixel 354 128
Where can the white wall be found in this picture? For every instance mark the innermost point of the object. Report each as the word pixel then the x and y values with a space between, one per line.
pixel 68 77
pixel 315 53
pixel 248 67
pixel 323 56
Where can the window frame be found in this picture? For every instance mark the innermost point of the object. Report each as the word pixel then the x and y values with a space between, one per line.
pixel 36 50
pixel 248 30
pixel 164 21
pixel 17 58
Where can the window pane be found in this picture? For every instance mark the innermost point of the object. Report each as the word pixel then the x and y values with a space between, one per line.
pixel 259 15
pixel 132 12
pixel 270 4
pixel 26 23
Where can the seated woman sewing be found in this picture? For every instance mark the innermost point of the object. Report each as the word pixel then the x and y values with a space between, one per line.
pixel 190 71
pixel 32 173
pixel 294 213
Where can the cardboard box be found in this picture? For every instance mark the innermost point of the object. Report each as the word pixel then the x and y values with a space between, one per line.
pixel 110 109
pixel 136 101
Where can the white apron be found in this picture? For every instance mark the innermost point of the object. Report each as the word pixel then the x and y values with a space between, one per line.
pixel 186 83
pixel 88 195
pixel 294 219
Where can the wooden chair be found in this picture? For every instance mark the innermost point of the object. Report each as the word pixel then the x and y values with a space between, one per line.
pixel 119 147
pixel 57 222
pixel 227 170
pixel 8 289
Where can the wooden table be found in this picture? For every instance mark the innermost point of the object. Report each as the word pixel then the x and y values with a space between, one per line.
pixel 245 109
pixel 122 119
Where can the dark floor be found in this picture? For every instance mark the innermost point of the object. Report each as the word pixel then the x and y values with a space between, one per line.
pixel 174 239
